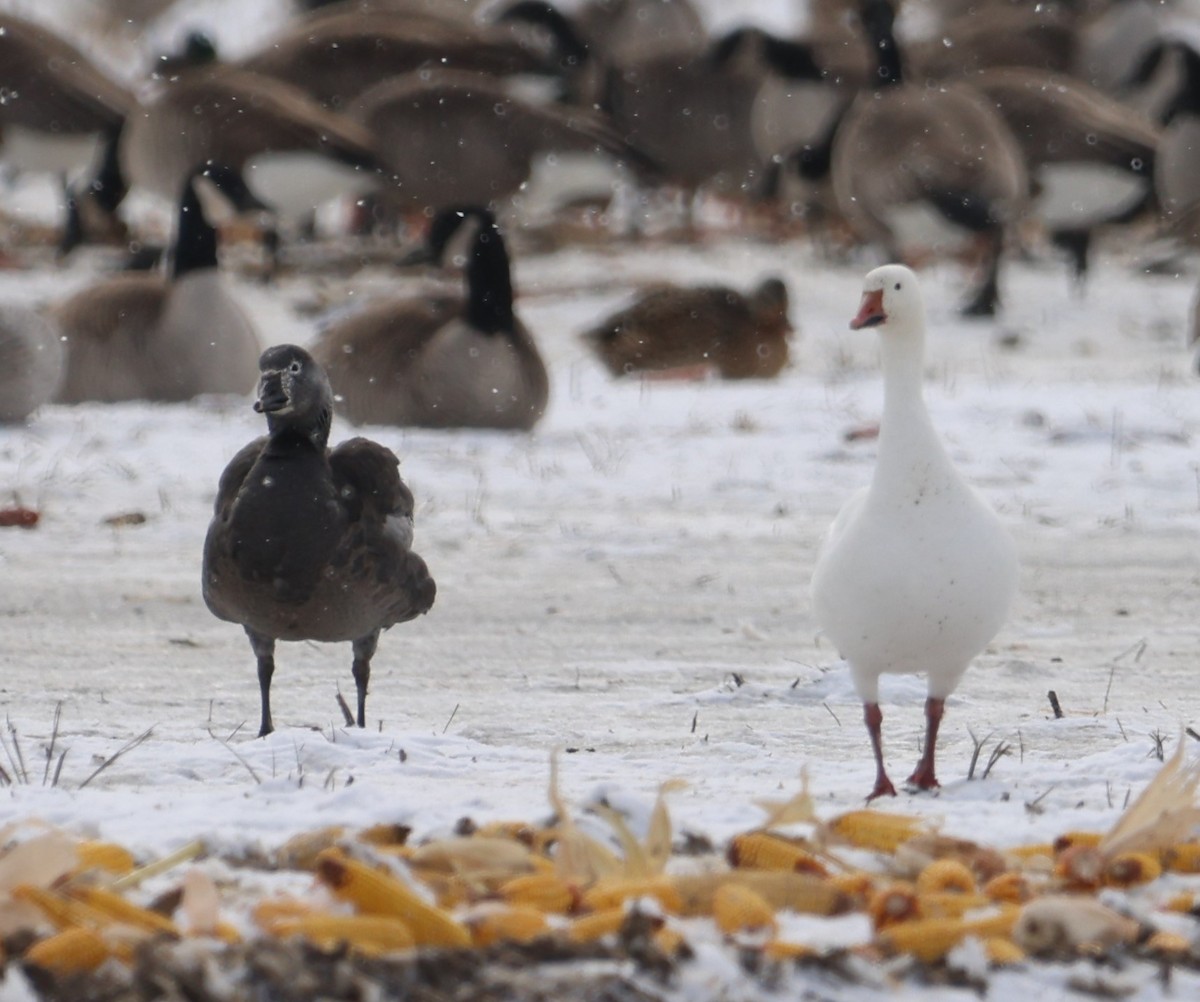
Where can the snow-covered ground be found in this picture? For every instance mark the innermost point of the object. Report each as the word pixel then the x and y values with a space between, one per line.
pixel 628 583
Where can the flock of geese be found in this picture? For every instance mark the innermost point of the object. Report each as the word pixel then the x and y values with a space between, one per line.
pixel 1010 124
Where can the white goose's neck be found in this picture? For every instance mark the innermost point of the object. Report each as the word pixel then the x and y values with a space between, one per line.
pixel 910 452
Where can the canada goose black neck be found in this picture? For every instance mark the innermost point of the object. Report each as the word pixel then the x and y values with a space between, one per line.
pixel 570 48
pixel 489 281
pixel 1187 100
pixel 878 19
pixel 195 237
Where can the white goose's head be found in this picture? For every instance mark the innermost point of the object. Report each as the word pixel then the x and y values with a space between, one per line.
pixel 891 297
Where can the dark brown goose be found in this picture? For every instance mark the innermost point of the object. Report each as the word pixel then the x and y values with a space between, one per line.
pixel 715 327
pixel 308 543
pixel 444 362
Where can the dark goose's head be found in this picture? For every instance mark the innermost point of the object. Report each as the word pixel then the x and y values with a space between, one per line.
pixel 294 394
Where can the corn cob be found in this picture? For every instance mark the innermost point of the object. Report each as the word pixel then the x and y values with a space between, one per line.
pixel 592 927
pixel 370 935
pixel 763 851
pixel 300 852
pixel 891 904
pixel 930 940
pixel 1128 869
pixel 385 835
pixel 610 892
pixel 1010 888
pixel 473 854
pixel 62 912
pixel 1168 945
pixel 868 829
pixel 946 875
pixel 1183 857
pixel 547 892
pixel 1080 866
pixel 507 924
pixel 1071 839
pixel 68 952
pixel 798 892
pixel 1002 951
pixel 780 950
pixel 105 856
pixel 376 893
pixel 950 904
pixel 1025 853
pixel 738 909
pixel 858 887
pixel 121 910
pixel 1183 902
pixel 671 942
pixel 272 910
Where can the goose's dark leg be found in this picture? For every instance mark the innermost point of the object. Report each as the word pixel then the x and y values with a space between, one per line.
pixel 874 719
pixel 987 296
pixel 923 776
pixel 364 650
pixel 264 650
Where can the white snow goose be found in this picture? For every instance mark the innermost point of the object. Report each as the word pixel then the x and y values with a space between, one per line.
pixel 917 572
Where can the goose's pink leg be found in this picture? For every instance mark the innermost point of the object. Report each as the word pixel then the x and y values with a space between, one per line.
pixel 923 776
pixel 874 719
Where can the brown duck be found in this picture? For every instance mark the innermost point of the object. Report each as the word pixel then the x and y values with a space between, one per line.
pixel 308 543
pixel 676 327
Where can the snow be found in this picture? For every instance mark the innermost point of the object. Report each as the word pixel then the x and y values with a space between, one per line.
pixel 629 584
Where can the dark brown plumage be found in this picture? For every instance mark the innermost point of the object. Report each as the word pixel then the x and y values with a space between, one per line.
pixel 741 337
pixel 308 543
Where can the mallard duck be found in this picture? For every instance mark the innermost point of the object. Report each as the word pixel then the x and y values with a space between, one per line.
pixel 308 543
pixel 442 362
pixel 676 327
pixel 907 158
pixel 31 361
pixel 139 336
pixel 917 572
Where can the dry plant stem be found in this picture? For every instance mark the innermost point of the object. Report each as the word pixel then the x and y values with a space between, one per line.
pixel 168 862
pixel 232 751
pixel 127 747
pixel 345 708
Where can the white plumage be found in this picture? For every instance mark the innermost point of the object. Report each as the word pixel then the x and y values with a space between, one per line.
pixel 917 572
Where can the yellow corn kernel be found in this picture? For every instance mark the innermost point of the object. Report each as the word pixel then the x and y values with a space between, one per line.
pixel 1002 951
pixel 1011 888
pixel 779 950
pixel 738 909
pixel 1128 869
pixel 1183 857
pixel 930 940
pixel 271 910
pixel 105 856
pixel 671 942
pixel 1167 944
pixel 69 951
pixel 798 892
pixel 121 910
pixel 1070 840
pixel 591 927
pixel 385 835
pixel 1030 852
pixel 547 892
pixel 893 903
pixel 62 912
pixel 507 924
pixel 376 893
pixel 300 852
pixel 870 829
pixel 370 935
pixel 608 892
pixel 1183 903
pixel 950 904
pixel 946 875
pixel 763 851
pixel 858 887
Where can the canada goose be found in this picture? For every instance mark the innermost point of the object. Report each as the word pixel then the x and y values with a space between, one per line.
pixel 58 104
pixel 307 543
pixel 138 336
pixel 629 32
pixel 455 138
pixel 1176 172
pixel 250 123
pixel 1091 158
pixel 336 56
pixel 31 361
pixel 907 154
pixel 442 362
pixel 676 327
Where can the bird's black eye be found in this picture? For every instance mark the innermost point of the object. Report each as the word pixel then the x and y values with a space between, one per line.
pixel 295 366
pixel 897 285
